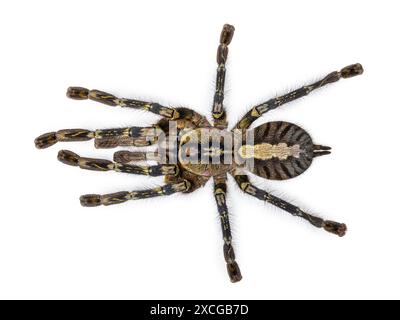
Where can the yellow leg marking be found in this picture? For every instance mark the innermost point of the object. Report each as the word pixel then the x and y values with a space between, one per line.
pixel 244 185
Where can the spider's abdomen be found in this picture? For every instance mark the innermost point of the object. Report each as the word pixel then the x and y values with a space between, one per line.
pixel 281 151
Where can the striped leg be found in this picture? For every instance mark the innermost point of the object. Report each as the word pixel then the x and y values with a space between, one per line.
pixel 48 139
pixel 125 156
pixel 132 136
pixel 93 200
pixel 104 138
pixel 229 254
pixel 72 159
pixel 79 93
pixel 259 110
pixel 330 226
pixel 218 111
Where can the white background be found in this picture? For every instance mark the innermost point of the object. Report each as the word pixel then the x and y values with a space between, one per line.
pixel 51 247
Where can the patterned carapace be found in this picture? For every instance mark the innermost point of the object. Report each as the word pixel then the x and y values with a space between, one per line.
pixel 201 150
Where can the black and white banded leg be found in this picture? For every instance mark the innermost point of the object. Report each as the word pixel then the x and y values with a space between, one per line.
pixel 330 226
pixel 72 159
pixel 218 110
pixel 229 254
pixel 79 93
pixel 259 110
pixel 94 200
pixel 104 138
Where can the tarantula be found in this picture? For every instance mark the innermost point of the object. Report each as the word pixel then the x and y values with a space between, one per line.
pixel 191 150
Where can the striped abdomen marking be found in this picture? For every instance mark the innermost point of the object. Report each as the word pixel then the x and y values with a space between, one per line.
pixel 266 151
pixel 284 150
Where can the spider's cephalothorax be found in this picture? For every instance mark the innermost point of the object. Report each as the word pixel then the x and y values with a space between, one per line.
pixel 191 150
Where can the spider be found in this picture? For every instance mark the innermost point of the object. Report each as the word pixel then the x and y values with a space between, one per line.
pixel 274 150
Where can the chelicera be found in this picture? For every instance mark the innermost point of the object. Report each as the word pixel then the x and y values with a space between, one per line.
pixel 191 150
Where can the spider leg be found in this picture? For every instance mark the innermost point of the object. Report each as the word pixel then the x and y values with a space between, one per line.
pixel 220 187
pixel 259 110
pixel 93 200
pixel 79 93
pixel 104 138
pixel 132 136
pixel 330 226
pixel 218 111
pixel 125 156
pixel 72 159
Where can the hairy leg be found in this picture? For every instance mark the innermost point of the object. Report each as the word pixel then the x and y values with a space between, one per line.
pixel 104 138
pixel 79 93
pixel 93 200
pixel 229 254
pixel 218 110
pixel 330 226
pixel 259 110
pixel 125 156
pixel 132 136
pixel 72 159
